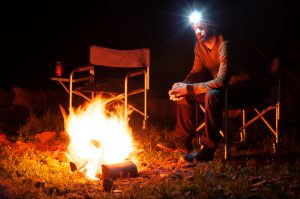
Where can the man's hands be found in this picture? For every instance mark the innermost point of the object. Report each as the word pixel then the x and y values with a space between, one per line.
pixel 178 91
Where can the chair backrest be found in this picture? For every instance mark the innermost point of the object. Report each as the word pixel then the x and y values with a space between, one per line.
pixel 120 58
pixel 135 58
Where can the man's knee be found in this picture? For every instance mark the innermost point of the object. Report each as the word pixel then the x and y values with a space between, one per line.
pixel 185 101
pixel 213 96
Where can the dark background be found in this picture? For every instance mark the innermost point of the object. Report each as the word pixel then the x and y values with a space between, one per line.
pixel 35 35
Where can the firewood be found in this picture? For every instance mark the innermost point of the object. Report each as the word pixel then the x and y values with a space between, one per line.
pixel 124 169
pixel 77 165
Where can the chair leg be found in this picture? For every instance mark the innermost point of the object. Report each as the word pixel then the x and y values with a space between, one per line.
pixel 126 101
pixel 243 131
pixel 227 147
pixel 275 144
pixel 198 128
pixel 144 124
pixel 145 109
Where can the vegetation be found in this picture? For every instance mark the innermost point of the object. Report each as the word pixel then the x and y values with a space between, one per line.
pixel 26 171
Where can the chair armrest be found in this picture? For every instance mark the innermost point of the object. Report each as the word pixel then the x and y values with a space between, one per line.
pixel 82 79
pixel 60 79
pixel 84 68
pixel 135 73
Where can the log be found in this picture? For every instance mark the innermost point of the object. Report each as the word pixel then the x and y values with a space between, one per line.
pixel 78 164
pixel 123 169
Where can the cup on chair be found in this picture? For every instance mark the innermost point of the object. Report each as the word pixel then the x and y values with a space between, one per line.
pixel 58 69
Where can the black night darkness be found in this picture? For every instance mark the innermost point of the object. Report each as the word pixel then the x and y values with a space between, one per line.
pixel 37 34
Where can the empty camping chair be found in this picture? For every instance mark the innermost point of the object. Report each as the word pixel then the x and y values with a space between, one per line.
pixel 87 81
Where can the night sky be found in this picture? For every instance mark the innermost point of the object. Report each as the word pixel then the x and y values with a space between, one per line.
pixel 34 35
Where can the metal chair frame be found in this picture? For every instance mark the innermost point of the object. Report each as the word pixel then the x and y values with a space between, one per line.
pixel 142 64
pixel 245 124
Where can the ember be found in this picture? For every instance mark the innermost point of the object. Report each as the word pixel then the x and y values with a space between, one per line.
pixel 97 138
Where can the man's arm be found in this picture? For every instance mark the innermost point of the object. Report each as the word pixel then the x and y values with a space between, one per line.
pixel 222 77
pixel 181 89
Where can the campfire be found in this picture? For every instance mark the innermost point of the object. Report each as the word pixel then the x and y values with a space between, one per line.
pixel 100 142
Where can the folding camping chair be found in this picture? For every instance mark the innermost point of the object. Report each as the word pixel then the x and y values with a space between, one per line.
pixel 83 81
pixel 270 104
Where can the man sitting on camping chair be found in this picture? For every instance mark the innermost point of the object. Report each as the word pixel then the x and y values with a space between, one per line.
pixel 218 63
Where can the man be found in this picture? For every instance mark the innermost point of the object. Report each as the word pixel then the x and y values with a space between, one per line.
pixel 217 64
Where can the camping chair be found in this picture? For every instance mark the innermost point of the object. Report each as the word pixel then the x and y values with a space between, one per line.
pixel 83 81
pixel 271 104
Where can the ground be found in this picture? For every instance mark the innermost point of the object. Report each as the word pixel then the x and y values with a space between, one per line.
pixel 33 162
pixel 37 168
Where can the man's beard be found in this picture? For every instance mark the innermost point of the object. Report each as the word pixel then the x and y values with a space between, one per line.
pixel 206 36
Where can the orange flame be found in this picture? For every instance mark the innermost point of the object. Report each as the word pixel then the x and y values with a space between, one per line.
pixel 96 137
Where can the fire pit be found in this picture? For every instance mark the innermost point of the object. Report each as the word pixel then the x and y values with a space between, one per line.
pixel 100 143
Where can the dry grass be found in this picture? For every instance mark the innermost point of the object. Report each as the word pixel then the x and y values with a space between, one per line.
pixel 36 174
pixel 32 173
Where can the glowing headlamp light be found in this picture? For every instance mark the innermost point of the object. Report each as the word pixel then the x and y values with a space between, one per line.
pixel 195 17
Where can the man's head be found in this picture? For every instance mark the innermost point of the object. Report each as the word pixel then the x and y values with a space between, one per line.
pixel 203 27
pixel 204 31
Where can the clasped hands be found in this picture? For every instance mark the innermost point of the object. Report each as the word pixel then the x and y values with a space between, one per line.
pixel 178 91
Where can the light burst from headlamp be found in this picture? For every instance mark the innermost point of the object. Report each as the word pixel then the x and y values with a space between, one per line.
pixel 195 17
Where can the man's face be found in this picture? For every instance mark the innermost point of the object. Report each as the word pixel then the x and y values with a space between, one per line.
pixel 201 31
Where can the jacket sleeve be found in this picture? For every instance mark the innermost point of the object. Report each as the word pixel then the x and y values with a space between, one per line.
pixel 223 74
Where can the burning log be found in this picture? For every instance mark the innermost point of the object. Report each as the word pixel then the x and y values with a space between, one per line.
pixel 124 169
pixel 77 165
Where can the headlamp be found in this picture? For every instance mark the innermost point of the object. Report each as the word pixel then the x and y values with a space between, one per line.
pixel 195 17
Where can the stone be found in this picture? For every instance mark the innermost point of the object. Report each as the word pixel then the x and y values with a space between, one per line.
pixel 45 136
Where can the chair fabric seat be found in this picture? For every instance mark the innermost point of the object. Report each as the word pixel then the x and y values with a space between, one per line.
pixel 113 86
pixel 249 95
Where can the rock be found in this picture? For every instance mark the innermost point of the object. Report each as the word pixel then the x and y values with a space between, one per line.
pixel 20 146
pixel 41 146
pixel 55 145
pixel 64 135
pixel 45 136
pixel 62 157
pixel 22 98
pixel 3 139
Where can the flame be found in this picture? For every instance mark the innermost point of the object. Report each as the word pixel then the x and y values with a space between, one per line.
pixel 97 137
